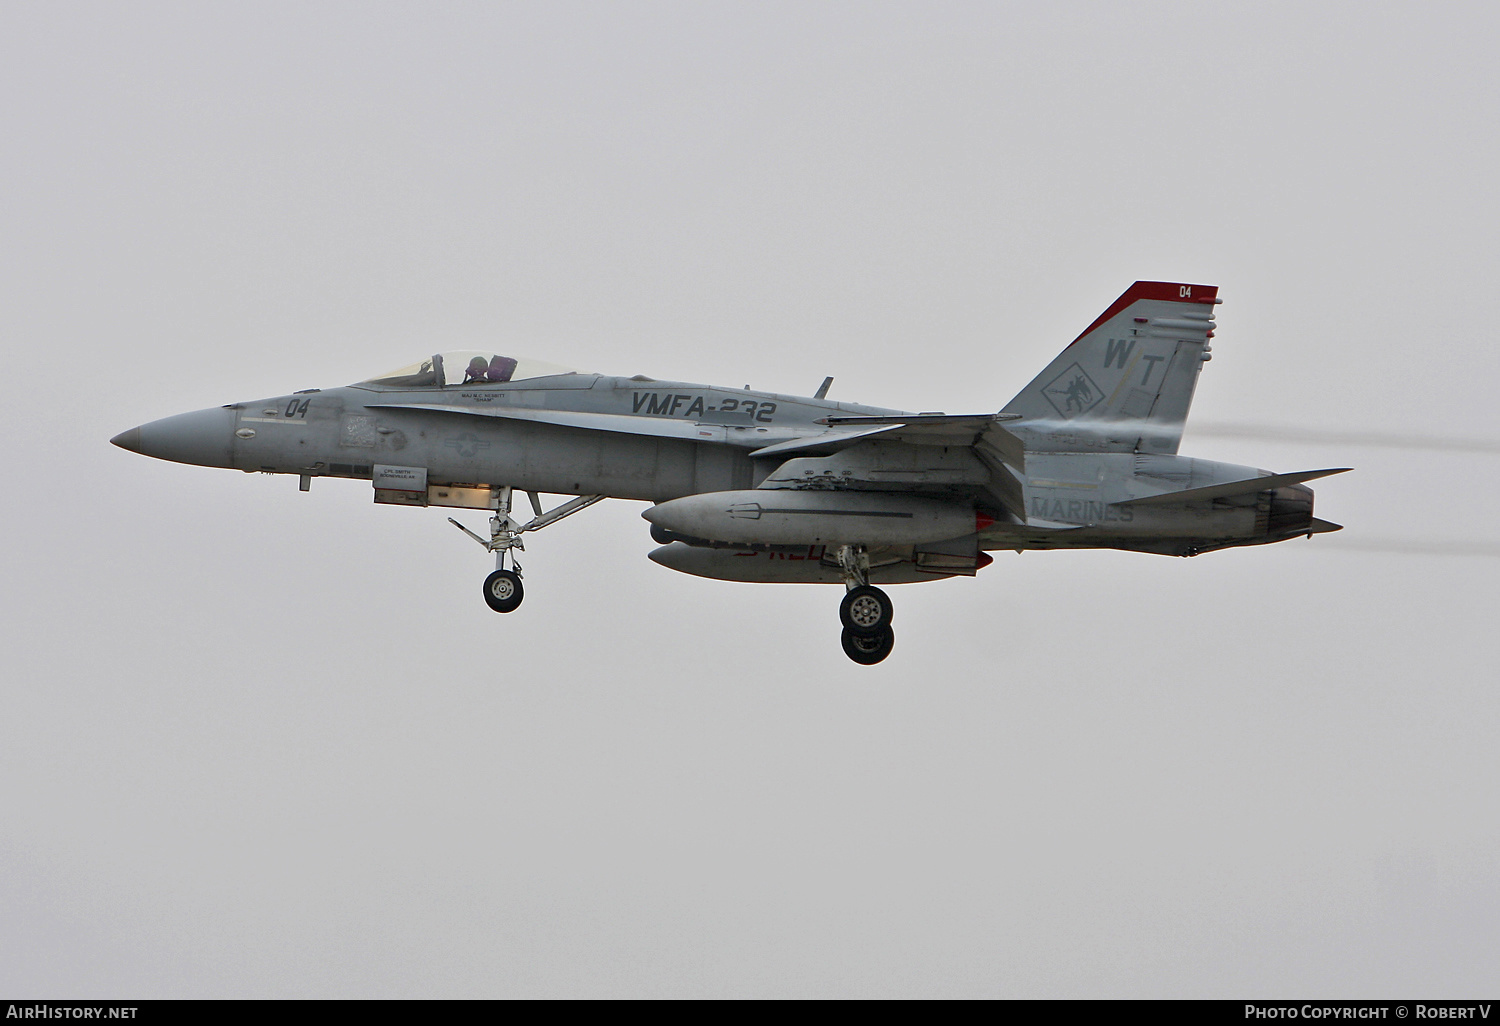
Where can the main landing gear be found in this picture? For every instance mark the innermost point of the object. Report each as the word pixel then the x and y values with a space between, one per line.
pixel 502 589
pixel 866 612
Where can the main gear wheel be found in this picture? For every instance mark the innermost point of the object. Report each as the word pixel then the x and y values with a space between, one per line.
pixel 866 610
pixel 868 649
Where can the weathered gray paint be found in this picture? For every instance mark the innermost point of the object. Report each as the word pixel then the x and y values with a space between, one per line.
pixel 1099 427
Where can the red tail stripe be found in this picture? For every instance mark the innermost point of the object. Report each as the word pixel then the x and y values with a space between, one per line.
pixel 1171 291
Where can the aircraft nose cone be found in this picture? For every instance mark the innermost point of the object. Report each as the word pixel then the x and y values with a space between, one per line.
pixel 203 438
pixel 128 439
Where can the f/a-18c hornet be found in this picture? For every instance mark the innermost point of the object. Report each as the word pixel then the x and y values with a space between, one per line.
pixel 764 487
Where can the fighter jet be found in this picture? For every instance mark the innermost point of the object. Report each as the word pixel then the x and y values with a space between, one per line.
pixel 758 486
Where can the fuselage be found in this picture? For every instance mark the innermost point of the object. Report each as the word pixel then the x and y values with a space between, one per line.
pixel 537 435
pixel 346 432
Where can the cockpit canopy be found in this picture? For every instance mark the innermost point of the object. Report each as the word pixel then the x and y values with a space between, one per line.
pixel 466 367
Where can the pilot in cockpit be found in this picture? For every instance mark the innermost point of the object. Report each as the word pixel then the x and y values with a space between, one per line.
pixel 497 368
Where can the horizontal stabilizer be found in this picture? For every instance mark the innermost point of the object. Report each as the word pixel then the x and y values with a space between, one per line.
pixel 1223 491
pixel 1323 527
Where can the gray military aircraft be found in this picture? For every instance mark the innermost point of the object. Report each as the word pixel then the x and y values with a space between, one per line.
pixel 759 486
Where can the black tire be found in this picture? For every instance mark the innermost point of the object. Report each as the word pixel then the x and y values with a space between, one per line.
pixel 503 591
pixel 866 610
pixel 868 649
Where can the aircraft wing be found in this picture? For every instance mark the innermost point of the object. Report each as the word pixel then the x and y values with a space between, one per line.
pixel 975 429
pixel 841 432
pixel 996 448
pixel 824 443
pixel 918 429
pixel 919 452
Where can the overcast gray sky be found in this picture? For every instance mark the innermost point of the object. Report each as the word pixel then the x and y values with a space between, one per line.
pixel 261 743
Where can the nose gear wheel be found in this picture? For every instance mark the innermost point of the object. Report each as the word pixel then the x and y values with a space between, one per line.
pixel 503 591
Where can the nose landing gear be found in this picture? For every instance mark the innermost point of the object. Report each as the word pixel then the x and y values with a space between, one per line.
pixel 865 612
pixel 502 589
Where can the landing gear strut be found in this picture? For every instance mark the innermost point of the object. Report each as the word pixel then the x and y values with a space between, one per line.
pixel 502 589
pixel 866 612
